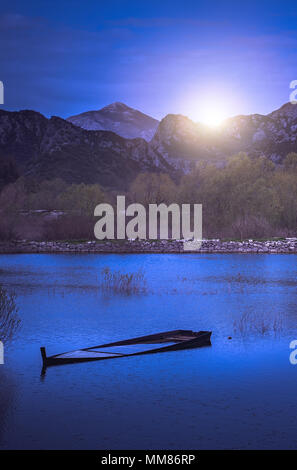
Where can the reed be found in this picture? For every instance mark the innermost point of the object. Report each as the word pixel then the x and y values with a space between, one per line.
pixel 9 320
pixel 122 283
pixel 250 323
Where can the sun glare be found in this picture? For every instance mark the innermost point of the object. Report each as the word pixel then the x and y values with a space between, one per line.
pixel 212 117
pixel 210 112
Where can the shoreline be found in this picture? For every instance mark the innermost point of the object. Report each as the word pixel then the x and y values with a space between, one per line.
pixel 283 246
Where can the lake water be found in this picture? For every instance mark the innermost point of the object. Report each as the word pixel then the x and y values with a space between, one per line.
pixel 238 393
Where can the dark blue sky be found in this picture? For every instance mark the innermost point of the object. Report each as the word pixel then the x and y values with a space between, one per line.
pixel 64 57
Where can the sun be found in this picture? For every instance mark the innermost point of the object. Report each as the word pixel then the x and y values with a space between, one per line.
pixel 212 117
pixel 208 110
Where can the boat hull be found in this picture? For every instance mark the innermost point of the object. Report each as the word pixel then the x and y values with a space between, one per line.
pixel 150 344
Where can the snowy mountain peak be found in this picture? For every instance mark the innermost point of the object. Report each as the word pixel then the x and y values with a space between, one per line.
pixel 117 106
pixel 119 118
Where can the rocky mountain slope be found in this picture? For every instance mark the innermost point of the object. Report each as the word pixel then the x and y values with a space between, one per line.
pixel 183 142
pixel 52 148
pixel 119 118
pixel 31 144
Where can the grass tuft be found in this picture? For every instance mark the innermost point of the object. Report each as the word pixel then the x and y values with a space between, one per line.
pixel 122 283
pixel 250 323
pixel 9 320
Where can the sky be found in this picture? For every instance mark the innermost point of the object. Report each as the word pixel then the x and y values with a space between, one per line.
pixel 197 58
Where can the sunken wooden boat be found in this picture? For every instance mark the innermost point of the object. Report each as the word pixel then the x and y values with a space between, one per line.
pixel 159 342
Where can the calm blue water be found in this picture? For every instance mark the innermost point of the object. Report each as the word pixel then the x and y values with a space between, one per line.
pixel 238 393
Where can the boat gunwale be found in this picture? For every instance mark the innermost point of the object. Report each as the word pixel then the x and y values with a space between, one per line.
pixel 140 339
pixel 136 340
pixel 178 345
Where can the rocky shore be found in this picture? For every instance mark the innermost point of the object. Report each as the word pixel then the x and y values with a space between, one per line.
pixel 287 245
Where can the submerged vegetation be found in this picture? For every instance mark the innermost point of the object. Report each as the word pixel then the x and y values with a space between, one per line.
pixel 251 323
pixel 9 320
pixel 122 283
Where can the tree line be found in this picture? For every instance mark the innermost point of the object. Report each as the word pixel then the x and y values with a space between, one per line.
pixel 246 198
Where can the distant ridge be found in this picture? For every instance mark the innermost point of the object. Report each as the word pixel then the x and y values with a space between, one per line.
pixel 119 118
pixel 32 145
pixel 55 148
pixel 182 142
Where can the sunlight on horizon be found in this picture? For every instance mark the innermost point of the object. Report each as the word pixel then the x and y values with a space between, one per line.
pixel 211 115
pixel 211 109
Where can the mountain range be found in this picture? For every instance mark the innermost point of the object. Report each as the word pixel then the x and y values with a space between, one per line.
pixel 75 150
pixel 55 148
pixel 182 142
pixel 119 118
